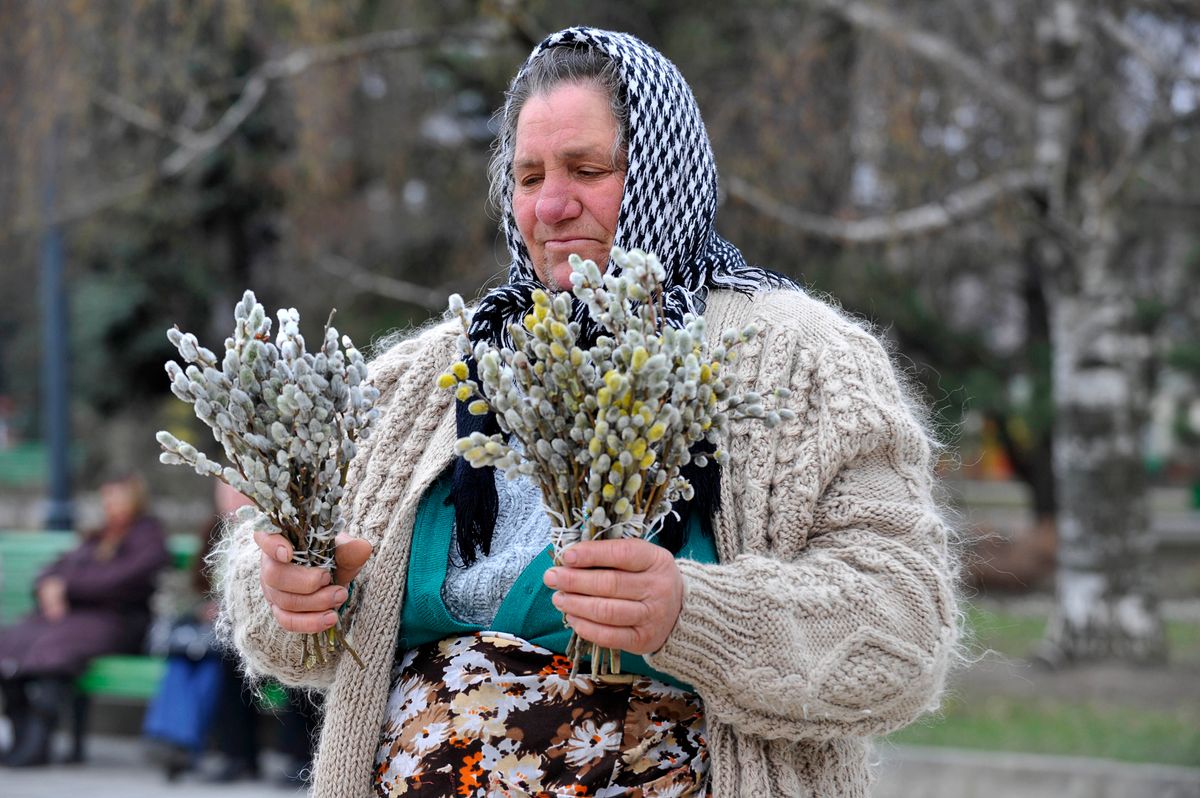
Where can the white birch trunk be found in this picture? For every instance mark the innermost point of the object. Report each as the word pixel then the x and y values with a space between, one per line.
pixel 1105 604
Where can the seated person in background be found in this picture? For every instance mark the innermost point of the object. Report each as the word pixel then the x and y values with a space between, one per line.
pixel 93 600
pixel 203 689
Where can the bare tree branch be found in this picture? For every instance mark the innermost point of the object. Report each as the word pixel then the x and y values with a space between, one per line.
pixel 936 50
pixel 921 220
pixel 1179 202
pixel 383 285
pixel 1140 145
pixel 1120 33
pixel 141 118
pixel 196 145
pixel 301 60
pixel 203 143
pixel 1167 125
pixel 72 211
pixel 524 27
pixel 1181 9
pixel 1158 181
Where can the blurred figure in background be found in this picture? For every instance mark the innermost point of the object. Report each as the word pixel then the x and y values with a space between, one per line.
pixel 203 690
pixel 180 717
pixel 93 600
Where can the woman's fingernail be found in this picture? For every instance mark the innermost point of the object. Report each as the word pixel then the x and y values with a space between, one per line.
pixel 330 619
pixel 341 595
pixel 569 557
pixel 281 553
pixel 557 599
pixel 551 578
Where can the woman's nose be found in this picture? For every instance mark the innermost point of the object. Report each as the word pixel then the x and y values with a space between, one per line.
pixel 556 204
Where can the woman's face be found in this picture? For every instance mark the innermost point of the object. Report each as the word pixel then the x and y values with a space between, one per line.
pixel 120 502
pixel 567 190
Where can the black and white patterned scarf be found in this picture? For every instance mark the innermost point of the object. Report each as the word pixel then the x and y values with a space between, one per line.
pixel 668 207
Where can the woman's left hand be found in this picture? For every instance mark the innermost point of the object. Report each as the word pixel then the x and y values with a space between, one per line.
pixel 623 594
pixel 52 598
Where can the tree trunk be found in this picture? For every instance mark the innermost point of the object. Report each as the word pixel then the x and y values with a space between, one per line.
pixel 1033 459
pixel 1106 606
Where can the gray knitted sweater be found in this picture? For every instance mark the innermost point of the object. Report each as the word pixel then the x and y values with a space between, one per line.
pixel 474 593
pixel 829 618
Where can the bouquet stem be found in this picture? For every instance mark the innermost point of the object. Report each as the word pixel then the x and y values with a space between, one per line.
pixel 320 646
pixel 604 661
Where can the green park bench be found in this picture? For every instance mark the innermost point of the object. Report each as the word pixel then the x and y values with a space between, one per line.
pixel 117 677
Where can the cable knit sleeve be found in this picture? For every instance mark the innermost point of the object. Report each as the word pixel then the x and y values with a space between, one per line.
pixel 266 648
pixel 834 614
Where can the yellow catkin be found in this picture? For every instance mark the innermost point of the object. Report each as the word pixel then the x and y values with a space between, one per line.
pixel 459 370
pixel 446 381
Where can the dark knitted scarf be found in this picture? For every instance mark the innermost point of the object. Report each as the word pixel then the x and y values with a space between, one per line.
pixel 668 208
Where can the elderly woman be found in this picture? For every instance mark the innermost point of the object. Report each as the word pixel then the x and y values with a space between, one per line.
pixel 800 604
pixel 93 600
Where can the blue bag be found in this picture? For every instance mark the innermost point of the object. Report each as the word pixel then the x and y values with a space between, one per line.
pixel 183 708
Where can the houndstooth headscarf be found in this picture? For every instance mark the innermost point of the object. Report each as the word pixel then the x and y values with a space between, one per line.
pixel 667 208
pixel 669 201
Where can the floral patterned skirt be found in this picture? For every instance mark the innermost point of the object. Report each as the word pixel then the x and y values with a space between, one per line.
pixel 489 715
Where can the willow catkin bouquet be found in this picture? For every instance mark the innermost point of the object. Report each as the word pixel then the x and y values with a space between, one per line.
pixel 288 421
pixel 605 429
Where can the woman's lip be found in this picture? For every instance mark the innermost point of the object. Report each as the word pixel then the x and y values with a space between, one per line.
pixel 563 241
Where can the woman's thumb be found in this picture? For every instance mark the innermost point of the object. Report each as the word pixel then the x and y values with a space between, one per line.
pixel 349 556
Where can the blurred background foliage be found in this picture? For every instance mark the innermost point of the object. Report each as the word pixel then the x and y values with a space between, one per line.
pixel 333 155
pixel 359 181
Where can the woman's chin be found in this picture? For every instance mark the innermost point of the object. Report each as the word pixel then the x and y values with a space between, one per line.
pixel 559 277
pixel 560 273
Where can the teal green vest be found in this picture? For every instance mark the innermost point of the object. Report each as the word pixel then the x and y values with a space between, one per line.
pixel 526 611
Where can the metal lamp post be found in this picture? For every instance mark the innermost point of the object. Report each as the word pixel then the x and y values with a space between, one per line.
pixel 56 421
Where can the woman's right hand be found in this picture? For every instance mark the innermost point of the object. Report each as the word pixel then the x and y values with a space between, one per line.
pixel 303 598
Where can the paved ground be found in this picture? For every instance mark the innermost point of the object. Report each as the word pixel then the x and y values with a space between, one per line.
pixel 951 773
pixel 118 769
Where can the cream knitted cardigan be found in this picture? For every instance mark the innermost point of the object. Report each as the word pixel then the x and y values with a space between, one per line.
pixel 830 617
